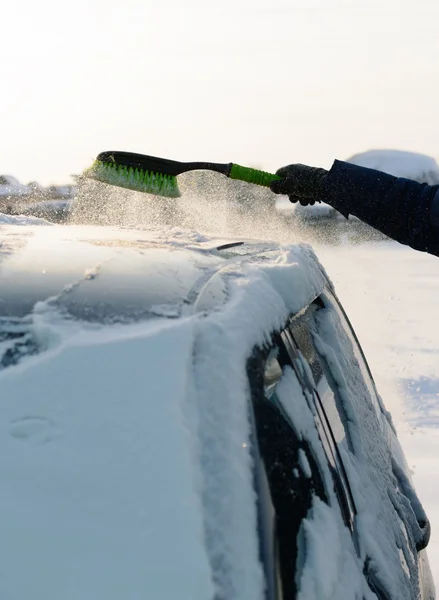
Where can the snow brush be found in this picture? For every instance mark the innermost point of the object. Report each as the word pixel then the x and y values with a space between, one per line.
pixel 159 175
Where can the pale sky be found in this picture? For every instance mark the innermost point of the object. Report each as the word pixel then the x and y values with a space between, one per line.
pixel 261 83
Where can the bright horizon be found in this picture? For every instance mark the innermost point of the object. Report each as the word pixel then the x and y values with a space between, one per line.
pixel 250 82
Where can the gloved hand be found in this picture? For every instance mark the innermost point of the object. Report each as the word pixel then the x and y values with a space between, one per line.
pixel 300 183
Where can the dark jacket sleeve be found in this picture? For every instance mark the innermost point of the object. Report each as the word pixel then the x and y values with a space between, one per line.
pixel 404 210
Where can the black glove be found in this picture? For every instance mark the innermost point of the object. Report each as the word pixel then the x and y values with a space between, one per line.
pixel 301 183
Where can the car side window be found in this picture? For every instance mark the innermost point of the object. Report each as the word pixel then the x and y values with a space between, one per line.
pixel 301 329
pixel 330 415
pixel 331 301
pixel 291 468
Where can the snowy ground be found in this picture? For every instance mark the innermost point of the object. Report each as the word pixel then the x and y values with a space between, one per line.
pixel 391 296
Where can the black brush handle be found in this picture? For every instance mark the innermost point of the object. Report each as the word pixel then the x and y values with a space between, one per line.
pixel 159 165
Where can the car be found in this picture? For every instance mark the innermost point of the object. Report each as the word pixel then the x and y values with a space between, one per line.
pixel 11 187
pixel 55 211
pixel 11 192
pixel 190 417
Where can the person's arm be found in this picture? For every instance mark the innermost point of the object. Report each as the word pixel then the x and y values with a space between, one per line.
pixel 404 210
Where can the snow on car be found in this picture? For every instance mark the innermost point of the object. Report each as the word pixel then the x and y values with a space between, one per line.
pixel 193 418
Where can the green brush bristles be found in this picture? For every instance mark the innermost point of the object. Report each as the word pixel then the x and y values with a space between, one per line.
pixel 134 179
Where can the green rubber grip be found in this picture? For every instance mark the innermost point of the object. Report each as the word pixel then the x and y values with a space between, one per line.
pixel 252 175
